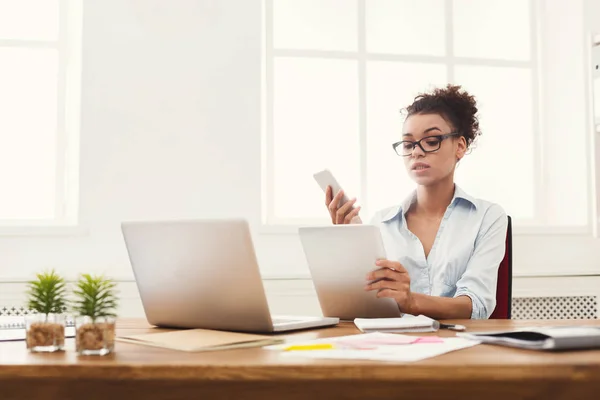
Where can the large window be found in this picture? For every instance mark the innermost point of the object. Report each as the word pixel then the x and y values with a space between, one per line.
pixel 338 72
pixel 39 97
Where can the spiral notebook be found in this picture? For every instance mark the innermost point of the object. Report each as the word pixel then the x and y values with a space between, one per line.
pixel 13 328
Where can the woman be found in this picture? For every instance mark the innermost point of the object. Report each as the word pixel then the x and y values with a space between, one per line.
pixel 443 246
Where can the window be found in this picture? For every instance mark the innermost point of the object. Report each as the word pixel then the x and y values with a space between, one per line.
pixel 39 77
pixel 338 72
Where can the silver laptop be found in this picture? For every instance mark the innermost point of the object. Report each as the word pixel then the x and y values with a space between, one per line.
pixel 203 274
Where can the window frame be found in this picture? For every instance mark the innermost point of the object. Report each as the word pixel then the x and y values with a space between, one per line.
pixel 273 225
pixel 68 46
pixel 593 55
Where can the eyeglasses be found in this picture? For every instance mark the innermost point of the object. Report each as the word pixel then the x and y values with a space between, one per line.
pixel 428 144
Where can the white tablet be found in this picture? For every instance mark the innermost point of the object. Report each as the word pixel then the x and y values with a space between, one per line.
pixel 339 258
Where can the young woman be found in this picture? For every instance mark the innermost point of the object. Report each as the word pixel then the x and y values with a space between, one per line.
pixel 443 246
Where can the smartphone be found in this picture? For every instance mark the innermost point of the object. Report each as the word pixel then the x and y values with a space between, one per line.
pixel 325 178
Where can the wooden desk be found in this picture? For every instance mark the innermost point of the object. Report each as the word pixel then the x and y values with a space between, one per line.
pixel 481 372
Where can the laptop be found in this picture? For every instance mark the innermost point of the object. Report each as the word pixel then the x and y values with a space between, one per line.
pixel 203 274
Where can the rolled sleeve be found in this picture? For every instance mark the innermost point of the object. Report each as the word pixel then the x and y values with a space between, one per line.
pixel 481 275
pixel 479 308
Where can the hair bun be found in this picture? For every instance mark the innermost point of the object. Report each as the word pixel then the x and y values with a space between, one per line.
pixel 455 105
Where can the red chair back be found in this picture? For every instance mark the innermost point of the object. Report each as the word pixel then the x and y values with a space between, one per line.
pixel 504 286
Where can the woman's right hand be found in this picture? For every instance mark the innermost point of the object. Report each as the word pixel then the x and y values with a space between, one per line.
pixel 344 213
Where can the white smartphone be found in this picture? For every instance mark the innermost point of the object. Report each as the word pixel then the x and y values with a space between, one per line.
pixel 325 178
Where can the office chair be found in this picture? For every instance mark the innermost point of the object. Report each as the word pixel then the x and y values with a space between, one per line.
pixel 504 286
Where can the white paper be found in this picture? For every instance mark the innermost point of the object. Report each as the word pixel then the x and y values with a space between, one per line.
pixel 398 353
pixel 13 328
pixel 11 321
pixel 568 331
pixel 404 353
pixel 7 335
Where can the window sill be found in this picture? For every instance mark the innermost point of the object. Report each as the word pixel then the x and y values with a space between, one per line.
pixel 269 229
pixel 43 230
pixel 584 231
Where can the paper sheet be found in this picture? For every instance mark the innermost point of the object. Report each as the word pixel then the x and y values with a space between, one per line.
pixel 9 335
pixel 381 347
pixel 200 340
pixel 11 321
pixel 12 328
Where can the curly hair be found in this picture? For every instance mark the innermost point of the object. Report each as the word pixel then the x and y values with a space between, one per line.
pixel 456 106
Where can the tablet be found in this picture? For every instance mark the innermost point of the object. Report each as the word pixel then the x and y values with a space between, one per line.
pixel 339 258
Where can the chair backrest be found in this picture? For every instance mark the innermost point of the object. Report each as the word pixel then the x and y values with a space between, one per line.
pixel 504 286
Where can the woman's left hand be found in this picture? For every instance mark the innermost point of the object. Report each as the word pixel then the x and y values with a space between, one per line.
pixel 392 280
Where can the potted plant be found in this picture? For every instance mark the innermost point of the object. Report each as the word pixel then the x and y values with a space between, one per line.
pixel 46 327
pixel 95 304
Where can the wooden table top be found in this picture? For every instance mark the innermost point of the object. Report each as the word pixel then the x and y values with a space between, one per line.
pixel 475 366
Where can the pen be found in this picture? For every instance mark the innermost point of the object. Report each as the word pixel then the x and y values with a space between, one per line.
pixel 453 327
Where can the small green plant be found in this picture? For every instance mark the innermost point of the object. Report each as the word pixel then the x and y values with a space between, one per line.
pixel 95 297
pixel 46 295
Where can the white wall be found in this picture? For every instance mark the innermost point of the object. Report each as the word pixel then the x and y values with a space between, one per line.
pixel 171 128
pixel 593 14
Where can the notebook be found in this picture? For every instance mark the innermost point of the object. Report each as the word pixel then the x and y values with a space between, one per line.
pixel 406 323
pixel 200 340
pixel 542 338
pixel 12 327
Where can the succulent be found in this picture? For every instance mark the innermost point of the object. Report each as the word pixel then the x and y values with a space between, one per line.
pixel 95 297
pixel 47 294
